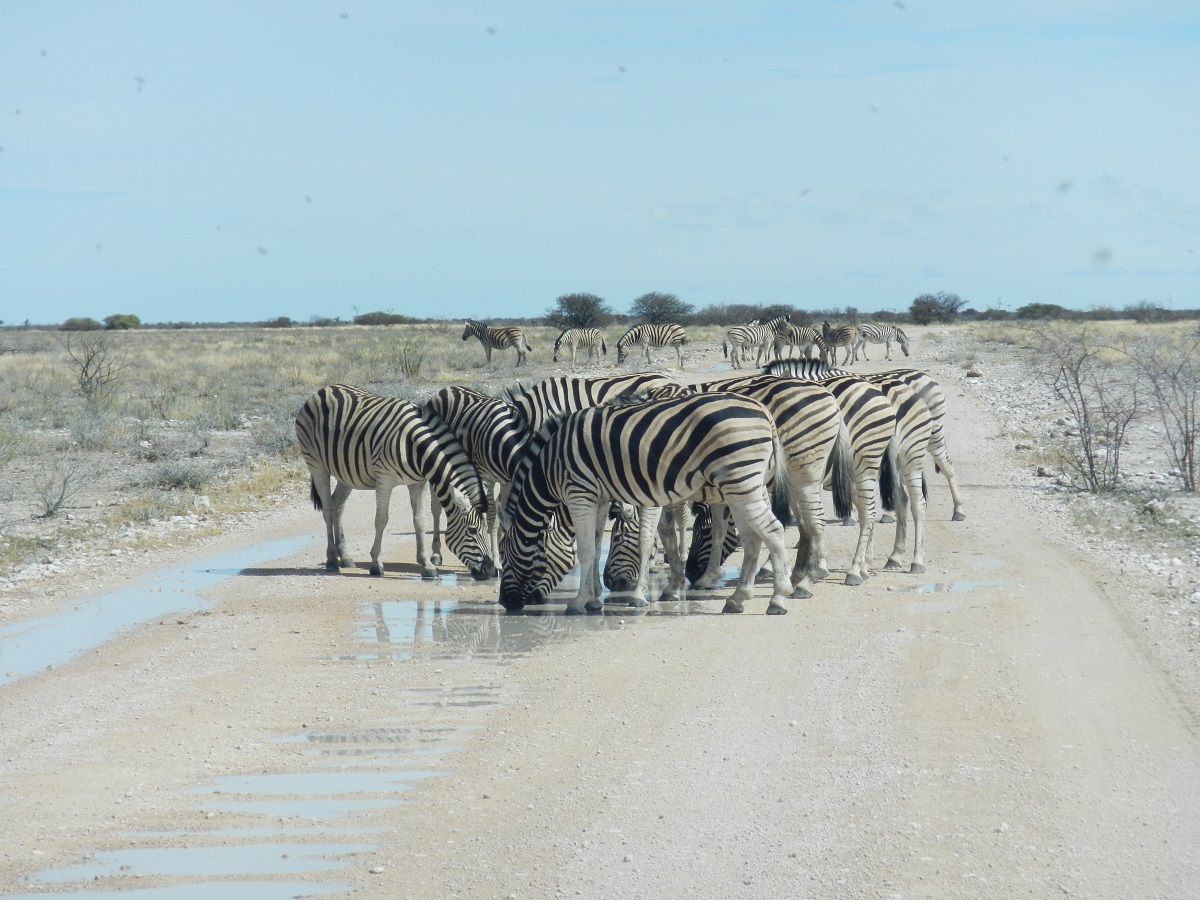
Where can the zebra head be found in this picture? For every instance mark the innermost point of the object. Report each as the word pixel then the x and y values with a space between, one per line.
pixel 527 516
pixel 468 538
pixel 472 327
pixel 702 539
pixel 558 343
pixel 624 553
pixel 626 339
pixel 902 339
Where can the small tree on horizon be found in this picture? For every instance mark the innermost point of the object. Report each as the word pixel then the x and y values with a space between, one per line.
pixel 657 308
pixel 941 307
pixel 578 311
pixel 122 321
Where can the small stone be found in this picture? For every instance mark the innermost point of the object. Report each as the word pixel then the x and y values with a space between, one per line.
pixel 376 870
pixel 628 859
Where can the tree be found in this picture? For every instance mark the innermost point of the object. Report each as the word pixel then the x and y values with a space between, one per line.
pixel 941 307
pixel 578 311
pixel 121 321
pixel 655 308
pixel 382 318
pixel 83 323
pixel 1040 311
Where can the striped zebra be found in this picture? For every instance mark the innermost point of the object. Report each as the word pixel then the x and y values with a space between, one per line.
pixel 869 425
pixel 665 334
pixel 740 338
pixel 803 336
pixel 368 442
pixel 624 552
pixel 562 394
pixel 841 336
pixel 874 333
pixel 650 454
pixel 927 389
pixel 494 436
pixel 497 339
pixel 589 339
pixel 914 427
pixel 701 546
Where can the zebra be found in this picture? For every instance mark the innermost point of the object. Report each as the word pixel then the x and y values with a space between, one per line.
pixel 842 336
pixel 664 334
pixel 914 427
pixel 624 552
pixel 370 442
pixel 701 546
pixel 497 339
pixel 803 336
pixel 562 394
pixel 589 339
pixel 927 389
pixel 759 336
pixel 650 454
pixel 881 334
pixel 859 447
pixel 494 436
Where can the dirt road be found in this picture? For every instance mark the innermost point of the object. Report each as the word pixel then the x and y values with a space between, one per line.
pixel 991 728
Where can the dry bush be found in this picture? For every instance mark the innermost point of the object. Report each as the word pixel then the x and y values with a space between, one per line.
pixel 95 363
pixel 63 476
pixel 1169 365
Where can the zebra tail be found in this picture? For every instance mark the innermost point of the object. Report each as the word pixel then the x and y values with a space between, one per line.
pixel 842 474
pixel 603 347
pixel 316 498
pixel 725 348
pixel 887 479
pixel 781 500
pixel 924 488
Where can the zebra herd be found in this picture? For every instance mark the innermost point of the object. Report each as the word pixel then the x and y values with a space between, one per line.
pixel 741 457
pixel 641 337
pixel 780 333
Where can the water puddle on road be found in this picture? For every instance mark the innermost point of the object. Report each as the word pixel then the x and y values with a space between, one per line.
pixel 226 890
pixel 33 646
pixel 955 587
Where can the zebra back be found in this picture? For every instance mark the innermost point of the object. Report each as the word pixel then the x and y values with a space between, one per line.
pixel 564 394
pixel 488 429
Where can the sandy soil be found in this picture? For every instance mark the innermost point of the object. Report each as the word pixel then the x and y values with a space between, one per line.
pixel 1005 724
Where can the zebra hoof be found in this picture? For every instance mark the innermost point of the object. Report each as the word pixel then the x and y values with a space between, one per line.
pixel 594 606
pixel 916 569
pixel 573 611
pixel 887 519
pixel 429 574
pixel 776 609
pixel 820 574
pixel 666 597
pixel 436 559
pixel 332 566
pixel 892 566
pixel 848 522
pixel 375 569
pixel 853 580
pixel 801 593
pixel 959 516
pixel 731 607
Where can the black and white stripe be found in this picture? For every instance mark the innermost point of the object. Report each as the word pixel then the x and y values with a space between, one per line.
pixel 497 339
pixel 841 336
pixel 494 436
pixel 666 334
pixel 914 426
pixel 806 337
pixel 930 393
pixel 589 339
pixel 756 335
pixel 555 397
pixel 368 442
pixel 651 454
pixel 875 333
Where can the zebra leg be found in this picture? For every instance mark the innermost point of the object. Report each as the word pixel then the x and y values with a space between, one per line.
pixel 493 518
pixel 435 511
pixel 809 513
pixel 416 497
pixel 584 515
pixel 488 352
pixel 383 498
pixel 712 573
pixel 334 550
pixel 679 351
pixel 341 494
pixel 648 517
pixel 864 504
pixel 941 461
pixel 916 506
pixel 757 526
pixel 862 348
pixel 887 346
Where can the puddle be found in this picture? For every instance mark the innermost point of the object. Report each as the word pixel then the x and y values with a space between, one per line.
pixel 322 784
pixel 30 647
pixel 300 808
pixel 219 860
pixel 227 890
pixel 956 587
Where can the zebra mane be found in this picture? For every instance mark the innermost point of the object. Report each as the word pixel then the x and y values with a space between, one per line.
pixel 525 460
pixel 802 368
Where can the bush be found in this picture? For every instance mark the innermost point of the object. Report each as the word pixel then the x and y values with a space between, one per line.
pixel 1041 311
pixel 281 322
pixel 579 311
pixel 941 307
pixel 121 321
pixel 383 318
pixel 80 324
pixel 181 475
pixel 657 308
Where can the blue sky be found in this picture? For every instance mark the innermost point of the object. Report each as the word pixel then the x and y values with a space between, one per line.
pixel 238 161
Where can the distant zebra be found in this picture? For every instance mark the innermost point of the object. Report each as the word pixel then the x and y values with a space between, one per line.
pixel 497 339
pixel 927 389
pixel 842 336
pixel 650 454
pixel 646 336
pixel 589 339
pixel 562 394
pixel 368 442
pixel 873 333
pixel 494 436
pixel 740 338
pixel 791 335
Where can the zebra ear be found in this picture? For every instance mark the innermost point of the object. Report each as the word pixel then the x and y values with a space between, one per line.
pixel 461 501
